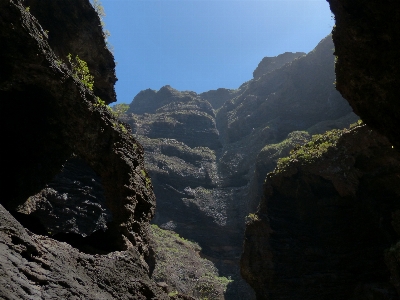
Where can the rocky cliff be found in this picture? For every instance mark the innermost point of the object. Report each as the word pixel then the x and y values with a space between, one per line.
pixel 327 227
pixel 367 40
pixel 53 110
pixel 269 64
pixel 326 220
pixel 203 163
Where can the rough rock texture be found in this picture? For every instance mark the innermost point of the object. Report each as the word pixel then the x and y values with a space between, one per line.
pixel 269 64
pixel 73 202
pixel 298 96
pixel 49 114
pixel 293 97
pixel 61 117
pixel 69 37
pixel 218 97
pixel 328 227
pixel 168 113
pixel 149 101
pixel 328 216
pixel 367 43
pixel 38 267
pixel 205 192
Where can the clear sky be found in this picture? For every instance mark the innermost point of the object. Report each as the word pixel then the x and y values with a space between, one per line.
pixel 200 45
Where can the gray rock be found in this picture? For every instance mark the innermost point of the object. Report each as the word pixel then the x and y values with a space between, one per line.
pixel 38 267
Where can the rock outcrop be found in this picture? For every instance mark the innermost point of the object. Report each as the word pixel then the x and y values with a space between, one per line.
pixel 73 202
pixel 293 97
pixel 269 64
pixel 168 113
pixel 367 41
pixel 327 227
pixel 52 113
pixel 328 216
pixel 38 267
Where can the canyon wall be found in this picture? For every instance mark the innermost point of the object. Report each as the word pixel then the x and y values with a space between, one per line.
pixel 327 227
pixel 52 113
pixel 206 162
pixel 328 215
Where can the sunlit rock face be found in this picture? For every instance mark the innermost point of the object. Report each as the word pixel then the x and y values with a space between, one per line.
pixel 50 115
pixel 269 64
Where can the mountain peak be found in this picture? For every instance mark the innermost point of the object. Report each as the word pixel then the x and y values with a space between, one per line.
pixel 269 64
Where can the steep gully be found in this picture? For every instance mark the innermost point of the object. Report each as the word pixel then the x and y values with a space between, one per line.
pixel 208 159
pixel 198 159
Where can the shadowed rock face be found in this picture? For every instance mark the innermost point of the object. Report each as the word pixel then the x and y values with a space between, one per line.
pixel 293 97
pixel 367 42
pixel 38 267
pixel 48 115
pixel 328 228
pixel 326 220
pixel 73 202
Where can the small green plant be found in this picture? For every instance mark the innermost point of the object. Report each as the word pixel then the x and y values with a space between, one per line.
pixel 59 62
pixel 100 102
pixel 148 180
pixel 123 128
pixel 355 124
pixel 99 8
pixel 81 71
pixel 172 294
pixel 252 217
pixel 120 109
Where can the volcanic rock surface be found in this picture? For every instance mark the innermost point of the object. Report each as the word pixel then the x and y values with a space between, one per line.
pixel 50 114
pixel 328 225
pixel 73 202
pixel 328 215
pixel 367 42
pixel 38 267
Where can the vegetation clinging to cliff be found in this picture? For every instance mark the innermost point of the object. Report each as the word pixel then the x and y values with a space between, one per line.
pixel 319 144
pixel 81 71
pixel 179 264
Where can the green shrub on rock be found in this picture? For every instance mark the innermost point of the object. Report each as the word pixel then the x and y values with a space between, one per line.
pixel 179 264
pixel 81 71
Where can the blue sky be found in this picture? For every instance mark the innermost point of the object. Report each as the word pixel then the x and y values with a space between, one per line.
pixel 201 45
